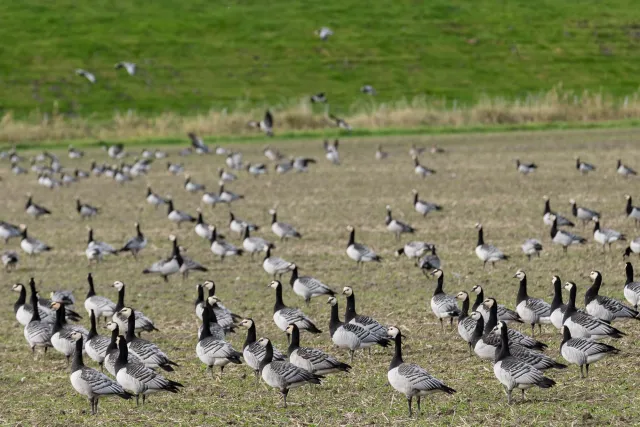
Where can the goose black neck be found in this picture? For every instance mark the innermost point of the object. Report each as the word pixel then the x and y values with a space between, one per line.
pixel 232 217
pixel 557 295
pixel 120 303
pixel 78 205
pixel 138 232
pixel 77 362
pixel 629 208
pixel 200 220
pixel 566 335
pixel 493 317
pixel 131 326
pixel 480 237
pixel 213 236
pixel 415 199
pixel 578 163
pixel 554 228
pixel 24 233
pixel 212 291
pixel 547 207
pixel 200 298
pixel 29 202
pixel 93 331
pixel 294 276
pixel 352 237
pixel 334 321
pixel 629 272
pixel 295 339
pixel 176 252
pixel 90 238
pixel 206 321
pixel 267 255
pixel 34 304
pixel 274 217
pixel 478 331
pixel 479 299
pixel 439 285
pixel 594 290
pixel 112 344
pixel 251 335
pixel 169 207
pixel 279 302
pixel 522 291
pixel 247 234
pixel 397 355
pixel 268 356
pixel 571 304
pixel 123 354
pixel 92 291
pixel 22 299
pixel 149 192
pixel 464 312
pixel 504 344
pixel 350 310
pixel 596 226
pixel 59 319
pixel 574 209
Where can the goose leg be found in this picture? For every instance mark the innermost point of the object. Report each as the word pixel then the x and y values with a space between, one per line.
pixel 418 397
pixel 533 330
pixel 144 397
pixel 137 400
pixel 96 405
pixel 564 249
pixel 451 326
pixel 351 353
pixel 581 371
pixel 587 370
pixel 409 402
pixel 509 400
pixel 539 328
pixel 484 265
pixel 441 325
pixel 285 392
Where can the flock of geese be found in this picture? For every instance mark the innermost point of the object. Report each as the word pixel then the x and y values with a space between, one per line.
pixel 138 367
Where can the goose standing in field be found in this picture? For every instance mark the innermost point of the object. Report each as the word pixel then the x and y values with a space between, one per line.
pixel 558 307
pixel 548 214
pixel 149 353
pixel 265 125
pixel 86 74
pixel 61 337
pixel 96 345
pixel 225 176
pixel 135 244
pixel 632 211
pixel 202 228
pixel 564 238
pixel 273 154
pixel 583 352
pixel 421 170
pixel 430 261
pixel 85 210
pixel 525 168
pixel 216 329
pixel 96 250
pixel 380 153
pixel 582 213
pixel 142 322
pixel 422 207
pixel 254 244
pixel 99 305
pixel 605 308
pixel 443 305
pixel 24 311
pixel 324 33
pixel 228 196
pixel 30 245
pixel 226 317
pixel 34 209
pixel 198 144
pixel 175 168
pixel 515 337
pixel 331 151
pixel 300 164
pixel 8 231
pixel 282 229
pixel 238 225
pixel 532 311
pixel 366 322
pixel 154 199
pixel 252 352
pixel 514 373
pixel 191 186
pixel 284 316
pixel 409 378
pixel 487 253
pixel 211 351
pixel 583 325
pixel 311 359
pixel 256 169
pixel 395 226
pixel 16 169
pixel 234 160
pixel 221 247
pixel 414 249
pixel 340 122
pixel 9 260
pixel 631 287
pixel 584 167
pixel 466 324
pixel 306 286
pixel 416 151
pixel 36 332
pixel 532 247
pixel 275 266
pixel 286 166
pixel 177 216
pixel 112 353
pixel 219 327
pixel 89 382
pixel 359 252
pixel 624 170
pixel 605 236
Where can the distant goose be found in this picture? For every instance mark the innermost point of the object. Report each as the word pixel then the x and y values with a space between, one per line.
pixel 283 316
pixel 212 351
pixel 429 261
pixel 96 345
pixel 558 307
pixel 89 382
pixel 605 308
pixel 273 154
pixel 96 250
pixel 9 231
pixel 61 338
pixel 359 252
pixel 532 311
pixel 198 144
pixel 368 89
pixel 191 186
pixel 318 98
pixel 218 331
pixel 532 247
pixel 149 353
pixel 221 247
pixel 631 287
pixel 24 311
pixel 175 168
pixel 135 244
pixel 115 151
pixel 225 317
pixel 35 210
pixel 564 238
pixel 286 166
pixel 414 249
pixel 514 373
pixel 422 207
pixel 605 236
pixel 211 199
pixel 466 324
pixel 48 182
pixel 548 214
pixel 282 229
pixel 256 169
pixel 130 67
pixel 85 210
pixel 228 196
pixel 99 305
pixel 86 74
pixel 202 228
pixel 10 260
pixel 177 216
pixel 584 167
pixel 525 168
pixel 443 305
pixel 395 226
pixel 311 359
pixel 624 170
pixel 221 151
pixel 234 160
pixel 515 337
pixel 154 199
pixel 142 322
pixel 487 253
pixel 421 170
pixel 632 211
pixel 300 164
pixel 253 245
pixel 252 352
pixel 167 266
pixel 36 332
pixel 74 154
pixel 416 151
pixel 265 125
pixel 96 169
pixel 331 151
pixel 30 245
pixel 324 33
pixel 340 123
pixel 111 354
pixel 582 213
pixel 381 154
pixel 16 169
pixel 225 176
pixel 583 325
pixel 582 351
pixel 366 322
pixel 238 225
pixel 275 266
pixel 410 379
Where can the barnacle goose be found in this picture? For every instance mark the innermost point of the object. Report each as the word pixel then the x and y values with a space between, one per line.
pixel 177 216
pixel 605 308
pixel 225 176
pixel 252 352
pixel 111 353
pixel 583 352
pixel 96 250
pixel 85 210
pixel 24 311
pixel 149 353
pixel 212 351
pixel 61 337
pixel 409 378
pixel 395 226
pixel 514 373
pixel 359 252
pixel 189 264
pixel 531 310
pixel 532 247
pixel 548 213
pixel 10 260
pixel 101 306
pixel 136 378
pixel 624 170
pixel 135 244
pixel 380 153
pixel 154 199
pixel 228 196
pixel 605 236
pixel 86 74
pixel 366 322
pixel 96 345
pixel 283 316
pixel 416 151
pixel 515 336
pixel 306 286
pixel 273 154
pixel 8 231
pixel 175 168
pixel 219 329
pixel 142 322
pixel 89 382
pixel 584 167
pixel 564 238
pixel 234 160
pixel 283 375
pixel 331 151
pixel 300 164
pixel 198 144
pixel 422 207
pixel 632 211
pixel 340 122
pixel 414 249
pixel 285 166
pixel 201 305
pixel 167 266
pixel 35 210
pixel 202 228
pixel 221 247
pixel 282 229
pixel 265 125
pixel 583 325
pixel 631 288
pixel 487 253
pixel 36 332
pixel 443 305
pixel 256 169
pixel 16 169
pixel 430 261
pixel 192 187
pixel 324 33
pixel 421 170
pixel 466 324
pixel 274 265
pixel 525 168
pixel 238 225
pixel 254 244
pixel 226 317
pixel 582 213
pixel 558 307
pixel 30 245
pixel 311 359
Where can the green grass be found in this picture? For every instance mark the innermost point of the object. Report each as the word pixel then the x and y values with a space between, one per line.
pixel 198 55
pixel 475 181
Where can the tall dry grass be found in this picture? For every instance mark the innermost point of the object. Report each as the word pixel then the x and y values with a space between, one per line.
pixel 556 105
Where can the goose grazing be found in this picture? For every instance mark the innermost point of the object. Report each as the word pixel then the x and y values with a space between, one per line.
pixel 85 210
pixel 167 266
pixel 583 352
pixel 409 378
pixel 584 167
pixel 129 67
pixel 324 33
pixel 421 170
pixel 36 332
pixel 212 351
pixel 142 322
pixel 532 247
pixel 281 229
pixel 10 260
pixel 256 169
pixel 525 168
pixel 149 353
pixel 605 308
pixel 414 249
pixel 154 199
pixel 548 213
pixel 191 186
pixel 631 288
pixel 221 247
pixel 97 304
pixel 112 353
pixel 331 151
pixel 582 213
pixel 273 154
pixel 422 207
pixel 531 310
pixel 306 286
pixel 564 238
pixel 515 336
pixel 35 210
pixel 275 266
pixel 202 228
pixel 252 352
pixel 380 153
pixel 284 316
pixel 136 378
pixel 395 226
pixel 238 225
pixel 488 253
pixel 558 307
pixel 283 375
pixel 175 168
pixel 366 322
pixel 605 236
pixel 89 382
pixel 96 345
pixel 61 337
pixel 198 144
pixel 310 359
pixel 300 164
pixel 228 196
pixel 624 170
pixel 135 244
pixel 86 74
pixel 340 122
pixel 632 212
pixel 443 305
pixel 30 245
pixel 429 261
pixel 8 231
pixel 514 373
pixel 466 324
pixel 583 325
pixel 359 252
pixel 265 125
pixel 177 216
pixel 254 244
pixel 96 250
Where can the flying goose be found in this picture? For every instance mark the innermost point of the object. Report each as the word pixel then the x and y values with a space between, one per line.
pixel 380 153
pixel 282 229
pixel 532 247
pixel 8 231
pixel 154 199
pixel 300 164
pixel 142 322
pixel 136 378
pixel 273 154
pixel 9 260
pixel 254 244
pixel 177 216
pixel 306 286
pixel 514 373
pixel 221 247
pixel 443 305
pixel 35 210
pixel 275 266
pixel 531 310
pixel 111 353
pixel 130 67
pixel 564 238
pixel 85 210
pixel 632 211
pixel 227 196
pixel 548 213
pixel 30 245
pixel 283 375
pixel 558 307
pixel 421 170
pixel 149 353
pixel 89 382
pixel 36 332
pixel 605 308
pixel 238 225
pixel 324 33
pixel 584 167
pixel 525 168
pixel 583 325
pixel 311 359
pixel 359 252
pixel 429 261
pixel 414 249
pixel 366 322
pixel 515 336
pixel 135 244
pixel 192 187
pixel 86 74
pixel 631 288
pixel 252 352
pixel 61 334
pixel 331 151
pixel 99 305
pixel 218 331
pixel 582 351
pixel 395 226
pixel 96 250
pixel 488 253
pixel 212 351
pixel 284 316
pixel 605 236
pixel 466 324
pixel 624 170
pixel 422 207
pixel 265 125
pixel 175 168
pixel 202 228
pixel 167 266
pixel 96 345
pixel 368 89
pixel 340 122
pixel 409 378
pixel 582 213
pixel 256 169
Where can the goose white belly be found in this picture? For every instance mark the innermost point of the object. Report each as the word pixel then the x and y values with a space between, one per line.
pixel 576 329
pixel 236 227
pixel 27 247
pixel 438 311
pixel 506 379
pixel 99 310
pixel 280 321
pixel 345 339
pixel 176 216
pixel 399 382
pixel 465 333
pixel 93 354
pixel 80 385
pixel 481 253
pixel 250 358
pixel 63 345
pixel 595 309
pixel 635 245
pixel 203 231
pixel 556 318
pixel 353 253
pixel 526 314
pixel 209 358
pixel 631 296
pixel 130 383
pixel 484 350
pixel 23 316
pixel 300 362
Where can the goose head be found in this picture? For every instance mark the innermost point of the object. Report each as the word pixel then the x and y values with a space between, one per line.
pixel 476 289
pixel 246 323
pixel 488 303
pixel 127 312
pixel 569 285
pixel 499 327
pixel 213 300
pixel 393 332
pixel 289 329
pixel 462 296
pixel 478 226
pixel 75 336
pixel 18 287
pixel 347 291
pixel 275 284
pixel 520 274
pixel 111 326
pixel 594 275
pixel 437 273
pixel 208 284
pixel 332 301
pixel 263 341
pixel 475 315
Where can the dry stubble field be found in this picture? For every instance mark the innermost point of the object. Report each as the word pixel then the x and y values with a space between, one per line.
pixel 476 181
